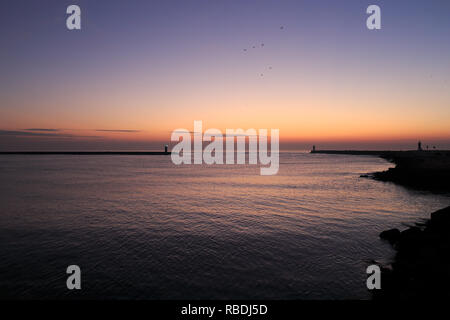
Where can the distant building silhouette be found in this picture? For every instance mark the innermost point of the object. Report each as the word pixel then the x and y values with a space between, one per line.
pixel 419 146
pixel 314 149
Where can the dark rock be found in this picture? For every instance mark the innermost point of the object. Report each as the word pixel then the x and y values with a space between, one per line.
pixel 439 224
pixel 441 216
pixel 421 268
pixel 410 234
pixel 418 170
pixel 391 235
pixel 409 238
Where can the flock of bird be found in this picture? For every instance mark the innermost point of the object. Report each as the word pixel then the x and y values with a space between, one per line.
pixel 262 46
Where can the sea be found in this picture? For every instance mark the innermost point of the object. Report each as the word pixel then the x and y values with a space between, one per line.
pixel 140 227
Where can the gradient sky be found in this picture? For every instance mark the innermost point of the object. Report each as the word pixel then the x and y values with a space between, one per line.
pixel 140 69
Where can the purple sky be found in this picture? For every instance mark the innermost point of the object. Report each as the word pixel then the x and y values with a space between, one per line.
pixel 139 69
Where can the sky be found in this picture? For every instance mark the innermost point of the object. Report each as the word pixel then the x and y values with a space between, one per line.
pixel 138 70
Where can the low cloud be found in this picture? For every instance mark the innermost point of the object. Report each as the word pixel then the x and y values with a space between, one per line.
pixel 119 130
pixel 40 133
pixel 212 135
pixel 13 133
pixel 43 130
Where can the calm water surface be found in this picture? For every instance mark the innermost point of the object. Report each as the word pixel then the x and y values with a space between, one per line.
pixel 142 228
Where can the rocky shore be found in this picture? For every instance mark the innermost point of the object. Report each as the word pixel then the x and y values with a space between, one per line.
pixel 426 170
pixel 421 267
